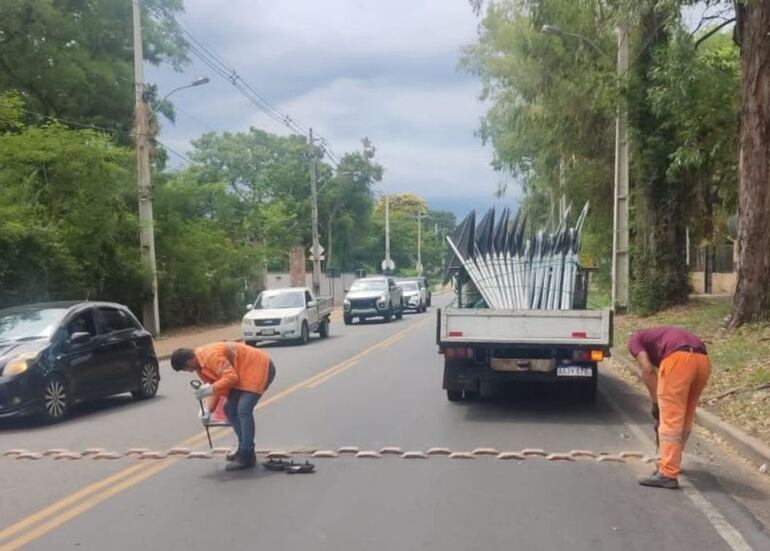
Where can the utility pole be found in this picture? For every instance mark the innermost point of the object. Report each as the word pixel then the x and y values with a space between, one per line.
pixel 316 250
pixel 150 314
pixel 387 235
pixel 620 252
pixel 419 243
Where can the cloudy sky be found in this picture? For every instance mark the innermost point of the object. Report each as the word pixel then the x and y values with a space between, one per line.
pixel 386 70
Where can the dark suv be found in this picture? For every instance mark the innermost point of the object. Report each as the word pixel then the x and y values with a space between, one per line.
pixel 54 354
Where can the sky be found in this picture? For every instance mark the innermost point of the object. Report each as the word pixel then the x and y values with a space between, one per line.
pixel 386 70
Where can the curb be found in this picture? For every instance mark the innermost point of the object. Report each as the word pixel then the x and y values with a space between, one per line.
pixel 751 448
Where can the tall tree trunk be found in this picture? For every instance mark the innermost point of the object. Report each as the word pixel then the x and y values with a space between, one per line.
pixel 751 294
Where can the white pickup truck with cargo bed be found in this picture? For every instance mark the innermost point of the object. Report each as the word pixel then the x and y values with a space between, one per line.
pixel 290 314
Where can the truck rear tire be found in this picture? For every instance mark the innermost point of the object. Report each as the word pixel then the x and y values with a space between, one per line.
pixel 323 329
pixel 348 319
pixel 454 395
pixel 387 316
pixel 586 390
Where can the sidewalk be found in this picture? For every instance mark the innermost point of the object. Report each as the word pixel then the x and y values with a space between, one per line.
pixel 191 337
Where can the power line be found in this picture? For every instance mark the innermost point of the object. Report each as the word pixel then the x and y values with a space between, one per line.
pixel 215 62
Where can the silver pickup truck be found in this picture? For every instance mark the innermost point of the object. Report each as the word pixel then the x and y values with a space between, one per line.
pixel 373 297
pixel 290 314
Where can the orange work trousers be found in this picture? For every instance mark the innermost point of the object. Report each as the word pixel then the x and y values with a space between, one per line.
pixel 681 379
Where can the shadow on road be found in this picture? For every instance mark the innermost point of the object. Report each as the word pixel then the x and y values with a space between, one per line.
pixel 90 410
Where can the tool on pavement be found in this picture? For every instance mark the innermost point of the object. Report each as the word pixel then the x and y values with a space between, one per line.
pixel 196 385
pixel 289 468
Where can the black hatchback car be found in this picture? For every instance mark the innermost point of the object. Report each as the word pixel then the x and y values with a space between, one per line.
pixel 54 354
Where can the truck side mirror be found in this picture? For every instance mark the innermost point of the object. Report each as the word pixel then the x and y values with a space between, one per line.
pixel 311 304
pixel 249 306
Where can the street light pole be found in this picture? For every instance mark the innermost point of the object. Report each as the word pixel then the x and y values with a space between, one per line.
pixel 316 249
pixel 150 313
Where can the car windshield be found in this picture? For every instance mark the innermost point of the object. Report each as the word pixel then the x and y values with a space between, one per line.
pixel 409 286
pixel 369 285
pixel 29 324
pixel 272 301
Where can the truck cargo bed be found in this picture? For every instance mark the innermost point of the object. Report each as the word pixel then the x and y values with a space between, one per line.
pixel 589 328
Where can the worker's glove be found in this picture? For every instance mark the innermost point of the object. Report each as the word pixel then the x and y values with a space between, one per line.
pixel 204 416
pixel 655 412
pixel 203 391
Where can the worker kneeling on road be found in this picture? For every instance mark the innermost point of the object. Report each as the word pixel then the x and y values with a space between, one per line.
pixel 238 372
pixel 683 369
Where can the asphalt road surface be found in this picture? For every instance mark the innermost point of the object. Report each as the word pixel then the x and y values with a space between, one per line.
pixel 372 386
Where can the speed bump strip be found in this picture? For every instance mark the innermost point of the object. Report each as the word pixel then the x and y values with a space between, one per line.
pixel 414 455
pixel 511 455
pixel 610 459
pixel 485 451
pixel 370 454
pixel 391 450
pixel 439 451
pixel 462 455
pixel 560 457
pixel 534 452
pixel 325 454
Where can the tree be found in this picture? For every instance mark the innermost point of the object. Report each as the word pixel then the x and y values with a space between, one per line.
pixel 73 60
pixel 751 294
pixel 345 205
pixel 268 177
pixel 67 215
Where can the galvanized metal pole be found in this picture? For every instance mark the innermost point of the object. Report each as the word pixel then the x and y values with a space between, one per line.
pixel 620 253
pixel 150 313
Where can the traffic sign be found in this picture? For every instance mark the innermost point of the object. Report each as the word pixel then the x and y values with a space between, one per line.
pixel 319 252
pixel 388 264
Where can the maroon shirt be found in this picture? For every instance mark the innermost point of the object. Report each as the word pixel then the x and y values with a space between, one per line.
pixel 659 342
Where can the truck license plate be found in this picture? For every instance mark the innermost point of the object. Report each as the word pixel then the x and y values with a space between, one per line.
pixel 268 331
pixel 573 371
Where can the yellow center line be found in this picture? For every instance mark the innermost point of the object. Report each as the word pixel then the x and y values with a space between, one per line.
pixel 94 493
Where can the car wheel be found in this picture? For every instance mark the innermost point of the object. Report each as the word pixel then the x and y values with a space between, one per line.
pixel 305 337
pixel 347 319
pixel 56 399
pixel 323 330
pixel 149 380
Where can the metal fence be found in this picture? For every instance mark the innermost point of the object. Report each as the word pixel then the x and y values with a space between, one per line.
pixel 718 257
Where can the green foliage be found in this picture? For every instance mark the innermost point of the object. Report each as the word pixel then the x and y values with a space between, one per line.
pixel 73 60
pixel 67 222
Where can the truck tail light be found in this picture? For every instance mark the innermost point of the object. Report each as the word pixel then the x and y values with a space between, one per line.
pixel 458 353
pixel 579 335
pixel 455 333
pixel 588 355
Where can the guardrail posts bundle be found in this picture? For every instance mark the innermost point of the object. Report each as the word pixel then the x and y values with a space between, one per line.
pixel 515 272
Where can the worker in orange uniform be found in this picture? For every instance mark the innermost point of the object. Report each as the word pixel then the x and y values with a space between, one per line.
pixel 238 372
pixel 675 368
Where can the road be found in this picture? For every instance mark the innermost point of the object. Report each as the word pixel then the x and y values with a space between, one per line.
pixel 372 386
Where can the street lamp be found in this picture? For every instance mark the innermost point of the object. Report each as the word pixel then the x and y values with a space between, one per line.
pixel 199 81
pixel 620 231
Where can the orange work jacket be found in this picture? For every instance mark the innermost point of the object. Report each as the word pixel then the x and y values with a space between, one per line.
pixel 228 365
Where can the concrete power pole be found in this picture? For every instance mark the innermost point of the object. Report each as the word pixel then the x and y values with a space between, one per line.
pixel 620 252
pixel 316 250
pixel 387 265
pixel 150 314
pixel 419 243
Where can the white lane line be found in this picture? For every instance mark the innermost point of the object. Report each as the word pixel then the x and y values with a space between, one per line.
pixel 727 531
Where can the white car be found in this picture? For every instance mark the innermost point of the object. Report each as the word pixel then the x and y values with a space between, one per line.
pixel 414 296
pixel 286 314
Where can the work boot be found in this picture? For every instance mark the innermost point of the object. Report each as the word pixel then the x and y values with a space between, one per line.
pixel 232 456
pixel 242 461
pixel 657 480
